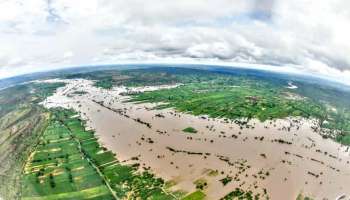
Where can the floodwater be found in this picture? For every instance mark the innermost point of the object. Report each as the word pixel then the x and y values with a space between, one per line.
pixel 285 157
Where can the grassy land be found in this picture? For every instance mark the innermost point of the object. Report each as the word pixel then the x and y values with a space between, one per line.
pixel 240 97
pixel 96 193
pixel 69 163
pixel 58 169
pixel 224 100
pixel 21 123
pixel 197 195
pixel 105 83
pixel 148 76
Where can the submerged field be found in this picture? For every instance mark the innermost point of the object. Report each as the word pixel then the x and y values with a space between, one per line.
pixel 174 133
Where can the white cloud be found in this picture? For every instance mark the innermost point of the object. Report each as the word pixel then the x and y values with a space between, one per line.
pixel 306 35
pixel 68 54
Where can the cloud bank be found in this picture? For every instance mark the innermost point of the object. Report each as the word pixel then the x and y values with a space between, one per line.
pixel 305 35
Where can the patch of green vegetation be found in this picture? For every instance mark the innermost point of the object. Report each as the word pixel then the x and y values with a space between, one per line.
pixel 190 130
pixel 302 197
pixel 220 99
pixel 201 184
pixel 58 168
pixel 43 90
pixel 226 180
pixel 22 121
pixel 69 161
pixel 100 192
pixel 244 97
pixel 106 83
pixel 24 95
pixel 169 184
pixel 149 76
pixel 197 195
pixel 241 194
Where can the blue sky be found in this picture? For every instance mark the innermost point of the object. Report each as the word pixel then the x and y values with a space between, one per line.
pixel 303 36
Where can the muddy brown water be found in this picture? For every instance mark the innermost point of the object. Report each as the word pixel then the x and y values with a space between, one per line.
pixel 256 158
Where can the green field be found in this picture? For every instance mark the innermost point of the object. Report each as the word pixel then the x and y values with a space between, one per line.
pixel 217 100
pixel 58 169
pixel 243 98
pixel 22 121
pixel 69 163
pixel 197 195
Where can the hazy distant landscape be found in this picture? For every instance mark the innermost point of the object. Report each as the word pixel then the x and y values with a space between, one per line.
pixel 173 132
